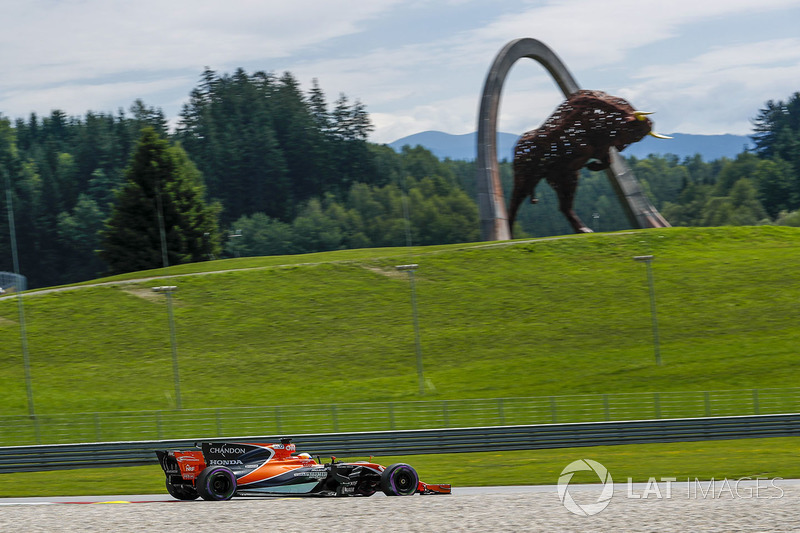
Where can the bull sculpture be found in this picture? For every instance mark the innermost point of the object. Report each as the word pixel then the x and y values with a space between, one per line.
pixel 579 133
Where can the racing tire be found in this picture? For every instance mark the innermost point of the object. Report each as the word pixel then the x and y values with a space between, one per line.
pixel 399 479
pixel 182 492
pixel 216 483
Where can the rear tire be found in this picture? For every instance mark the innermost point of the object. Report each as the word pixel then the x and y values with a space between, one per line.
pixel 182 492
pixel 399 479
pixel 216 483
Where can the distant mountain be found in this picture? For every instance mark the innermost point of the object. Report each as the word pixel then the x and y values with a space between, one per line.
pixel 463 147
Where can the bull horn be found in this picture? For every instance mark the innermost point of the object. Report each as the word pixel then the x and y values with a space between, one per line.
pixel 640 115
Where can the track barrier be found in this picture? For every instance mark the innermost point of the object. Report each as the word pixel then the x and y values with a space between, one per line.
pixel 422 441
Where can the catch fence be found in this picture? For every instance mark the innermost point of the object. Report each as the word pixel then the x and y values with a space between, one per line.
pixel 420 441
pixel 390 416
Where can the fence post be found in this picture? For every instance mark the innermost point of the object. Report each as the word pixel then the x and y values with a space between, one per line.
pixel 278 419
pixel 756 406
pixel 391 416
pixel 553 409
pixel 707 402
pixel 657 404
pixel 97 433
pixel 36 429
pixel 158 425
pixel 445 414
pixel 335 419
pixel 606 409
pixel 500 412
pixel 219 423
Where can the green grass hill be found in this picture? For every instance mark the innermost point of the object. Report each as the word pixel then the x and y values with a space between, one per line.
pixel 565 315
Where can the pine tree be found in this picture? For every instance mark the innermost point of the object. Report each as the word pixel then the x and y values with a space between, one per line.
pixel 227 128
pixel 161 181
pixel 303 145
pixel 777 129
pixel 319 107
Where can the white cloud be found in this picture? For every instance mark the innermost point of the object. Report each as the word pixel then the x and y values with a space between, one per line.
pixel 719 91
pixel 77 55
pixel 722 62
pixel 79 98
pixel 590 33
pixel 97 39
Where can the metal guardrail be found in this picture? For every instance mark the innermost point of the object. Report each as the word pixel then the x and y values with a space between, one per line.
pixel 408 442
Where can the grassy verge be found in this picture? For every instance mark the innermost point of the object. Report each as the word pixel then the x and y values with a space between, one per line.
pixel 551 317
pixel 766 458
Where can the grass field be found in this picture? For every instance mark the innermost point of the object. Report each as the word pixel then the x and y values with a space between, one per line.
pixel 733 459
pixel 551 317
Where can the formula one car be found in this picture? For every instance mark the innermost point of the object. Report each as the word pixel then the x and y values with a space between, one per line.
pixel 219 471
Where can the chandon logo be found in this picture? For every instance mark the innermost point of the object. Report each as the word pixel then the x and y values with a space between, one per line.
pixel 226 451
pixel 587 509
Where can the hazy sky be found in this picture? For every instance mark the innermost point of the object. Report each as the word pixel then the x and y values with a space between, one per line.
pixel 704 66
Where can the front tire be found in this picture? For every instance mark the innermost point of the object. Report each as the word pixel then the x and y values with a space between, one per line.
pixel 216 483
pixel 399 479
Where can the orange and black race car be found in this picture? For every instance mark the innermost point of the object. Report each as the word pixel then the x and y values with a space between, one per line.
pixel 219 471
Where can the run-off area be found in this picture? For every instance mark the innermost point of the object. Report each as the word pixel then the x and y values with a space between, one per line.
pixel 488 509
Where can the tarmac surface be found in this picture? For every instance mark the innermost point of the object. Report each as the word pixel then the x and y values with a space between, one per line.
pixel 725 506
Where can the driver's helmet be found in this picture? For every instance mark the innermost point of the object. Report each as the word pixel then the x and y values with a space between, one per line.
pixel 304 455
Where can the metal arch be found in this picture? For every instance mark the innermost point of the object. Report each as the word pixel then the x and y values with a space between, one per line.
pixel 491 202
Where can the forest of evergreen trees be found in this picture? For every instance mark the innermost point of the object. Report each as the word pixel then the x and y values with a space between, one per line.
pixel 286 172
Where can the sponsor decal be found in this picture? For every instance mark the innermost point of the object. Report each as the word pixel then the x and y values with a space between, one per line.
pixel 224 462
pixel 189 458
pixel 227 450
pixel 312 473
pixel 347 488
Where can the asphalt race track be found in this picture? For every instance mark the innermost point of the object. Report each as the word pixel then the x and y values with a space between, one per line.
pixel 772 506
